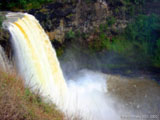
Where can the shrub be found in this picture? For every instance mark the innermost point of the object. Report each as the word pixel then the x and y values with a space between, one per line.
pixel 70 35
pixel 140 40
pixel 111 20
pixel 21 4
pixel 145 29
pixel 156 58
pixel 1 20
pixel 103 27
pixel 137 2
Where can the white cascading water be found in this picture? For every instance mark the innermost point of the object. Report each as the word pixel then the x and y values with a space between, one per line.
pixel 4 62
pixel 37 62
pixel 35 57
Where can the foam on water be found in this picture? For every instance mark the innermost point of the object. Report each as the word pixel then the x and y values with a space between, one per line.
pixel 89 97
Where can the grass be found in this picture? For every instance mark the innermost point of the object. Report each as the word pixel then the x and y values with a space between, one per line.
pixel 19 103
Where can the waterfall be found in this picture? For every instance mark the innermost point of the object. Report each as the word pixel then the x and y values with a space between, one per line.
pixel 35 57
pixel 37 62
pixel 4 62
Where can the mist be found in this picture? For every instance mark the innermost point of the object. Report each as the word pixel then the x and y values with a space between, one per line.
pixel 88 91
pixel 89 96
pixel 106 96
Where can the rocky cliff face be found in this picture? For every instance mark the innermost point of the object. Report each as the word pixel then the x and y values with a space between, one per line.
pixel 86 16
pixel 59 18
pixel 4 35
pixel 4 40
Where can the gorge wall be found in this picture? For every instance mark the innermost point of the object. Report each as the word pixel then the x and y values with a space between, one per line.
pixel 58 18
pixel 94 23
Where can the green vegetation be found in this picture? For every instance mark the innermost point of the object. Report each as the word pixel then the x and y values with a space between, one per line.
pixel 1 20
pixel 70 35
pixel 140 40
pixel 60 51
pixel 19 103
pixel 137 2
pixel 126 7
pixel 111 21
pixel 21 4
pixel 29 4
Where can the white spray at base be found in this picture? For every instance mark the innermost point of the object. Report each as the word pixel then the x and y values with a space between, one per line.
pixel 89 96
pixel 85 96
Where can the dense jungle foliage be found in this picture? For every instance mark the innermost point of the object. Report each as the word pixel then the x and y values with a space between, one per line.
pixel 21 4
pixel 29 4
pixel 140 41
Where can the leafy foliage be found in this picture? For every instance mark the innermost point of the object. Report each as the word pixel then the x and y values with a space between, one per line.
pixel 70 35
pixel 135 1
pixel 111 20
pixel 140 40
pixel 21 4
pixel 1 20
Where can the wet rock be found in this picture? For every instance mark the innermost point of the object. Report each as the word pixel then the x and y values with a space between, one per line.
pixel 58 34
pixel 4 41
pixel 79 16
pixel 4 35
